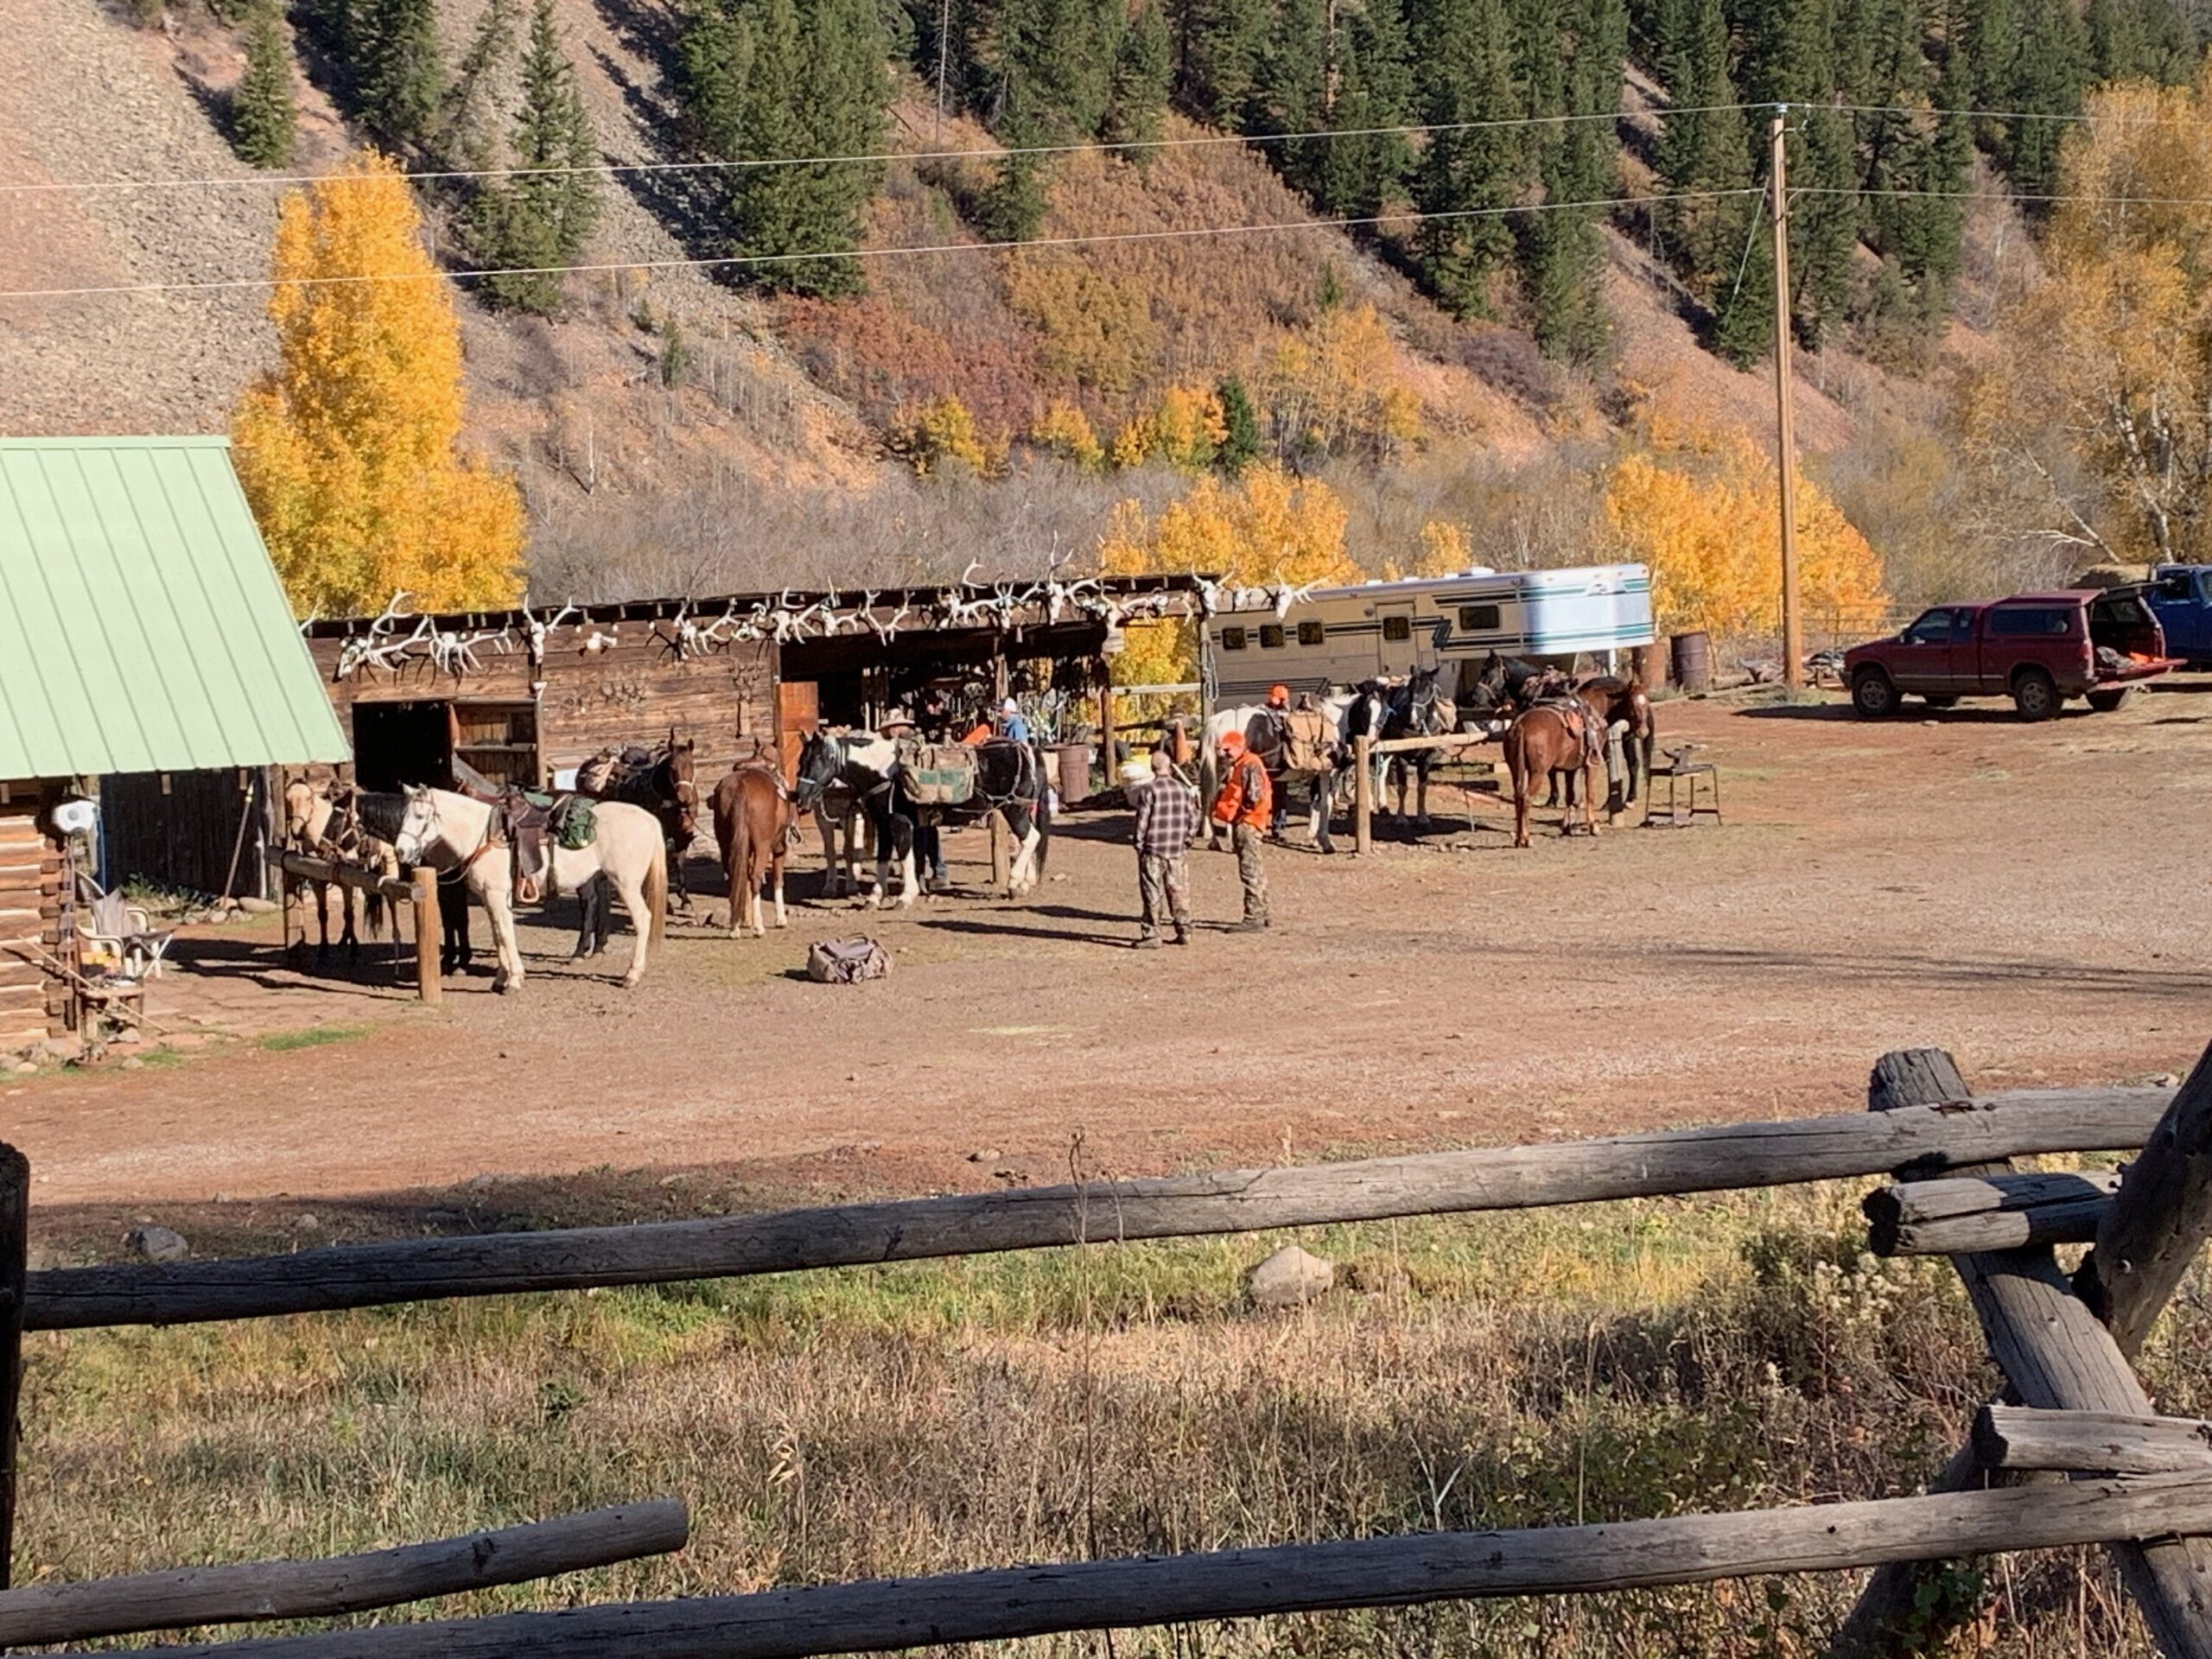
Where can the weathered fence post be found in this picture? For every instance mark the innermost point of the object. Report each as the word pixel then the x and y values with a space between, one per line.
pixel 14 1229
pixel 1362 794
pixel 2159 1221
pixel 428 933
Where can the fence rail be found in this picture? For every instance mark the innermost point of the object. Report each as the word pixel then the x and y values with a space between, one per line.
pixel 421 892
pixel 1931 1139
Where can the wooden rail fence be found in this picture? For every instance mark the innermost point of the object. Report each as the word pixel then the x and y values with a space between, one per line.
pixel 420 892
pixel 2143 1487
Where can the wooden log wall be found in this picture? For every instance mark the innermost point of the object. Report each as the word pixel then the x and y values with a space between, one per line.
pixel 633 688
pixel 32 1002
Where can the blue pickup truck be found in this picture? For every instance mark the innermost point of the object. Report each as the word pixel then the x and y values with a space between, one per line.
pixel 2180 596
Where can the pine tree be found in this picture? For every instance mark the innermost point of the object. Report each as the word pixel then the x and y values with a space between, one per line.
pixel 1358 171
pixel 467 124
pixel 1469 176
pixel 350 448
pixel 1703 148
pixel 1566 256
pixel 1218 47
pixel 1823 220
pixel 714 58
pixel 1136 106
pixel 2170 50
pixel 398 67
pixel 2117 47
pixel 1291 93
pixel 1240 443
pixel 542 216
pixel 263 119
pixel 2048 79
pixel 1743 325
pixel 817 87
pixel 1989 33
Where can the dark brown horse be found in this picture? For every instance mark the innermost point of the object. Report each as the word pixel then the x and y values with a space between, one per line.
pixel 660 780
pixel 1549 738
pixel 1616 699
pixel 755 821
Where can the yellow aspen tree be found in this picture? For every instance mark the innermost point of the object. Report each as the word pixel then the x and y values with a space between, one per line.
pixel 350 447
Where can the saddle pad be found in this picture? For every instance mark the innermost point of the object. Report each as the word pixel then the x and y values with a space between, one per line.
pixel 938 774
pixel 846 961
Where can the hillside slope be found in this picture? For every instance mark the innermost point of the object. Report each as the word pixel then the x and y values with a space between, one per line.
pixel 769 452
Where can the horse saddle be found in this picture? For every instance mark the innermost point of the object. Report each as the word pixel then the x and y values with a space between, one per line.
pixel 937 774
pixel 532 823
pixel 1578 717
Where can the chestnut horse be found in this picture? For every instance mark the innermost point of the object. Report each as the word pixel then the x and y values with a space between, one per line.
pixel 755 819
pixel 1548 738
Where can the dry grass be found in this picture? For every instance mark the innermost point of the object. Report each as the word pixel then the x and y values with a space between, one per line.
pixel 1631 1359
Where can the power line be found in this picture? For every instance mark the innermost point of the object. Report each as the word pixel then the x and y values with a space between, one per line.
pixel 870 157
pixel 616 169
pixel 1175 234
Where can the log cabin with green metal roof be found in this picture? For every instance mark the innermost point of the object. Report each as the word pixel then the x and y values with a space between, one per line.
pixel 143 632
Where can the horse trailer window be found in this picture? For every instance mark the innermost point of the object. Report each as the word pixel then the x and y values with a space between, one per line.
pixel 1478 619
pixel 1232 638
pixel 1397 627
pixel 1312 633
pixel 2022 622
pixel 1271 636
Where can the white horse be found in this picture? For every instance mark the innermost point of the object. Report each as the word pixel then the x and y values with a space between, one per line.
pixel 1259 725
pixel 456 832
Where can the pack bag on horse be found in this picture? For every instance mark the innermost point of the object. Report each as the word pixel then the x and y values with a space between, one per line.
pixel 659 780
pixel 326 825
pixel 1555 733
pixel 898 783
pixel 756 821
pixel 1300 746
pixel 518 848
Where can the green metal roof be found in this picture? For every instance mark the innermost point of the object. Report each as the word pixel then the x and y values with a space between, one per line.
pixel 142 626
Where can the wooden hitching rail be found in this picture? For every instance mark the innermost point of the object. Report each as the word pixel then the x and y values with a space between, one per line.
pixel 1934 1138
pixel 420 890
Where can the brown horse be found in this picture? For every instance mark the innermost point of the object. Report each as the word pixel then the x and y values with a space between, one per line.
pixel 755 821
pixel 1618 700
pixel 1541 740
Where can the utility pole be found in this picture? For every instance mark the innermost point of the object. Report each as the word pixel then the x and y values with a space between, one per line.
pixel 1785 435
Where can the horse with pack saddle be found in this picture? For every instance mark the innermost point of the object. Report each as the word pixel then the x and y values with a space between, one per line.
pixel 1300 745
pixel 660 780
pixel 900 782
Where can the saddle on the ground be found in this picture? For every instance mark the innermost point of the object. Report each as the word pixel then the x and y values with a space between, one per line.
pixel 937 774
pixel 846 961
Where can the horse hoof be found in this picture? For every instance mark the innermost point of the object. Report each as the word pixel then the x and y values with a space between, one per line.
pixel 630 981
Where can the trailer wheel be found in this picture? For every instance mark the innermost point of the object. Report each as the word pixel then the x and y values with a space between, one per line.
pixel 2111 698
pixel 2035 694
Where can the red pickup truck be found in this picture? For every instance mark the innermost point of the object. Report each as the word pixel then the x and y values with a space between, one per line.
pixel 2038 648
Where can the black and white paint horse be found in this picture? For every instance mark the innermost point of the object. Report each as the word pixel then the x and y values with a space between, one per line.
pixel 866 768
pixel 1423 705
pixel 1266 735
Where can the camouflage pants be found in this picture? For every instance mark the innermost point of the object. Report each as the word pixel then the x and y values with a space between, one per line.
pixel 1164 889
pixel 1251 874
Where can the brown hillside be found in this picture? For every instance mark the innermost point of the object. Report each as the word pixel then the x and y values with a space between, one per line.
pixel 769 453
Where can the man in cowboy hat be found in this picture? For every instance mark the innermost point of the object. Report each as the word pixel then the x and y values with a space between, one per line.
pixel 1245 803
pixel 929 838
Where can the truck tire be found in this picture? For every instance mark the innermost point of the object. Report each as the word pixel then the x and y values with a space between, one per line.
pixel 1873 695
pixel 1941 700
pixel 2035 694
pixel 2111 698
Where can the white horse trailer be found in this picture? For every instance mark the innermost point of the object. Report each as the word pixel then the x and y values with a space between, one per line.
pixel 1335 638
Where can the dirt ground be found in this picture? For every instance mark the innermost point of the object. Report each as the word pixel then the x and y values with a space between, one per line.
pixel 2025 895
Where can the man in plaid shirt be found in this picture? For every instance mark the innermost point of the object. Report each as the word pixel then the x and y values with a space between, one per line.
pixel 1167 822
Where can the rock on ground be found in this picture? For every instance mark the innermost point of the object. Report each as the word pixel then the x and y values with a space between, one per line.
pixel 157 1244
pixel 1290 1278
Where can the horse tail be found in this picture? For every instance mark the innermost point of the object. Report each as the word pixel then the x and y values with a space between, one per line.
pixel 656 884
pixel 372 912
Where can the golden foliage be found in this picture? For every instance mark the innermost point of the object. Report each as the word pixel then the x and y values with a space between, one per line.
pixel 349 449
pixel 1093 329
pixel 943 430
pixel 2109 362
pixel 1186 429
pixel 1338 385
pixel 1444 552
pixel 1261 527
pixel 1064 430
pixel 1707 517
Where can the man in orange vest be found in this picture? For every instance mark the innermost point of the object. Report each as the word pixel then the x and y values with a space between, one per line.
pixel 1245 803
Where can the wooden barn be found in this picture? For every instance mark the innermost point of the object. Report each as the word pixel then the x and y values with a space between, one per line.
pixel 145 638
pixel 524 695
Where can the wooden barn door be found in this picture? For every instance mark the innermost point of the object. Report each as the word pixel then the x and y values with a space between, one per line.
pixel 798 712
